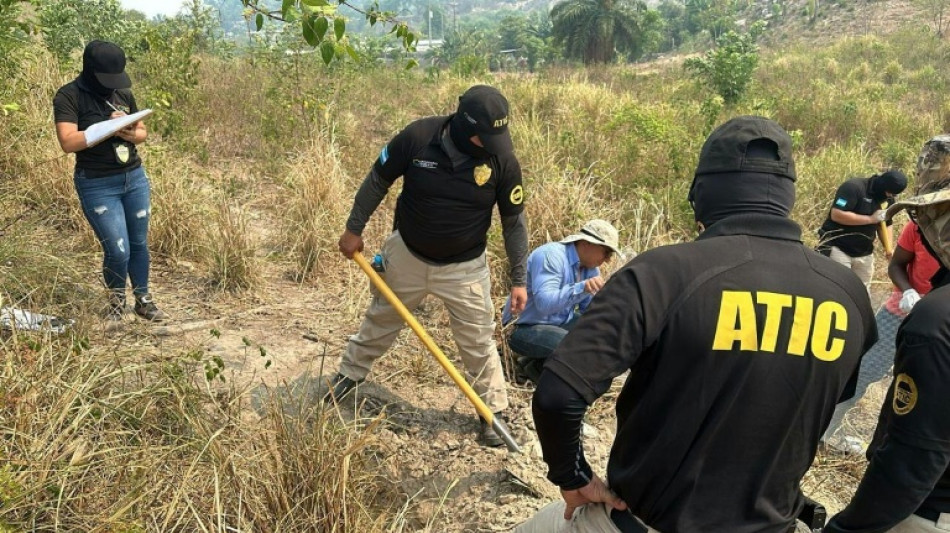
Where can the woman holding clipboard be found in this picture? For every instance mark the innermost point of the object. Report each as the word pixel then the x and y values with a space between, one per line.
pixel 112 186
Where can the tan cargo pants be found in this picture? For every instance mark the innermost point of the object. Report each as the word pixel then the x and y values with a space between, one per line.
pixel 863 267
pixel 591 518
pixel 464 288
pixel 917 524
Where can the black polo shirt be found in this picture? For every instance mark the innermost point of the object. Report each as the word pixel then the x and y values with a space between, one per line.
pixel 444 212
pixel 739 345
pixel 75 104
pixel 909 468
pixel 853 195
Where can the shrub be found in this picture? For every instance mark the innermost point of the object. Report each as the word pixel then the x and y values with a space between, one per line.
pixel 727 69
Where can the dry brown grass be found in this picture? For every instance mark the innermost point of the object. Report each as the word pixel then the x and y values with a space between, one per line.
pixel 316 204
pixel 111 440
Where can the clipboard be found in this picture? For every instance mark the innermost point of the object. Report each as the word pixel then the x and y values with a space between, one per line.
pixel 101 131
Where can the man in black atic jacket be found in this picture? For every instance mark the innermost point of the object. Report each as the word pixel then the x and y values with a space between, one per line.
pixel 906 487
pixel 738 346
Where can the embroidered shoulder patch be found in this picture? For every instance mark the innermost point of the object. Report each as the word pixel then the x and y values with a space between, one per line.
pixel 517 195
pixel 841 202
pixel 384 155
pixel 905 394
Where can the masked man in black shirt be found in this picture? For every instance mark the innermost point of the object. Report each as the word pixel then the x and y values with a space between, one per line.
pixel 906 487
pixel 455 170
pixel 738 346
pixel 854 221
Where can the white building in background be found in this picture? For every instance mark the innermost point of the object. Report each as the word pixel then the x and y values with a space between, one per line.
pixel 424 45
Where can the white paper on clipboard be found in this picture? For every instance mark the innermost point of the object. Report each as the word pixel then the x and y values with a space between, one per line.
pixel 101 131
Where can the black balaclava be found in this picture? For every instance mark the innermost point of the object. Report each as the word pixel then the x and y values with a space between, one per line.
pixel 462 132
pixel 892 181
pixel 744 167
pixel 92 84
pixel 716 196
pixel 940 277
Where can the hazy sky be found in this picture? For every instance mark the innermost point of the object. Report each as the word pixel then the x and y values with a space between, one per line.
pixel 153 7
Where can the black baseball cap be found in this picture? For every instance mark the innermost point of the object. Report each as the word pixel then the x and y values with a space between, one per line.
pixel 485 110
pixel 107 62
pixel 730 148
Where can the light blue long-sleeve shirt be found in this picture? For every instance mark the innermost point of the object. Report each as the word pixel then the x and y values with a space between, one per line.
pixel 555 286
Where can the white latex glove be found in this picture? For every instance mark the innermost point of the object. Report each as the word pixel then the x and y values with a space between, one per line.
pixel 880 215
pixel 908 300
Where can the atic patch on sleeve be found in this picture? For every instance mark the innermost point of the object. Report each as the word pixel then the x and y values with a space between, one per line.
pixel 905 394
pixel 384 155
pixel 517 195
pixel 841 202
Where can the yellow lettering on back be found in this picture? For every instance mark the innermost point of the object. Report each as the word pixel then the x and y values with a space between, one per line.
pixel 774 304
pixel 801 326
pixel 827 312
pixel 736 322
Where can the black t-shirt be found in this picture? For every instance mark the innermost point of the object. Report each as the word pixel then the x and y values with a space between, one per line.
pixel 443 212
pixel 853 195
pixel 739 345
pixel 75 104
pixel 909 468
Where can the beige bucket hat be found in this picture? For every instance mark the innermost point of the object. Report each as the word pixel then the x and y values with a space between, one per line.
pixel 597 231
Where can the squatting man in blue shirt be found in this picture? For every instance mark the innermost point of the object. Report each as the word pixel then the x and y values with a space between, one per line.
pixel 563 277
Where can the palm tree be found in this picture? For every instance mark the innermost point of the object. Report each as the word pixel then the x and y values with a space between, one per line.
pixel 595 30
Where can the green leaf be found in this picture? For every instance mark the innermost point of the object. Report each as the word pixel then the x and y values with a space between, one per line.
pixel 354 55
pixel 286 7
pixel 339 27
pixel 308 34
pixel 314 3
pixel 411 64
pixel 327 51
pixel 259 21
pixel 320 27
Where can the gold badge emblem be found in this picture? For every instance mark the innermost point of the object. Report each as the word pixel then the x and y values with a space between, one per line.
pixel 517 195
pixel 122 153
pixel 905 394
pixel 482 174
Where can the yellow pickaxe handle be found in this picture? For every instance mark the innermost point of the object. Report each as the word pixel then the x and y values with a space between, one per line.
pixel 885 234
pixel 496 423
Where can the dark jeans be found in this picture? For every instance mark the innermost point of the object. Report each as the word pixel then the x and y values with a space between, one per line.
pixel 117 208
pixel 532 344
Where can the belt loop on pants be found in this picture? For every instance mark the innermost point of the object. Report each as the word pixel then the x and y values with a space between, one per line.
pixel 626 522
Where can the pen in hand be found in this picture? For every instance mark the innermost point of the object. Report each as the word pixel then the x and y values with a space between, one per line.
pixel 118 113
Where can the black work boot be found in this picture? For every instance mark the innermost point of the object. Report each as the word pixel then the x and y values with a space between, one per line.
pixel 487 435
pixel 145 307
pixel 340 386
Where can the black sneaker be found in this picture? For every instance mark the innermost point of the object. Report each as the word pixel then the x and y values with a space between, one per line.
pixel 340 386
pixel 145 307
pixel 487 435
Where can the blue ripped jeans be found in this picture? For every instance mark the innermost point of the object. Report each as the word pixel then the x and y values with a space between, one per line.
pixel 117 208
